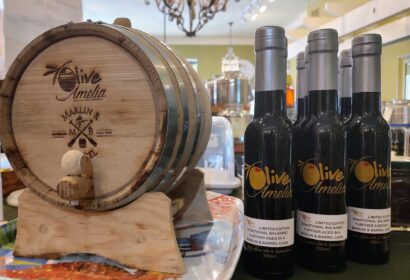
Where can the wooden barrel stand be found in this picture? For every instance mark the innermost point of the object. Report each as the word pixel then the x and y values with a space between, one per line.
pixel 139 235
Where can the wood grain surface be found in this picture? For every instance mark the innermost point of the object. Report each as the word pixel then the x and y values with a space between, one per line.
pixel 75 187
pixel 139 235
pixel 126 114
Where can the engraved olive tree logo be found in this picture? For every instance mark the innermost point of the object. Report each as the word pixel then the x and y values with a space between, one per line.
pixel 64 75
pixel 76 83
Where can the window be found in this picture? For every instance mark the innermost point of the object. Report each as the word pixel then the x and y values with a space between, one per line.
pixel 406 68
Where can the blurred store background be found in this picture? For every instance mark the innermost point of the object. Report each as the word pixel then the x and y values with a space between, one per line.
pixel 221 49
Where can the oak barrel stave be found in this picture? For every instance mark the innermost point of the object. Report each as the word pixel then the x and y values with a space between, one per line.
pixel 176 117
pixel 191 127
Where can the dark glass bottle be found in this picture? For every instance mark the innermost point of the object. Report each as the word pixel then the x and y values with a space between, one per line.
pixel 319 147
pixel 301 88
pixel 306 85
pixel 345 84
pixel 368 154
pixel 269 222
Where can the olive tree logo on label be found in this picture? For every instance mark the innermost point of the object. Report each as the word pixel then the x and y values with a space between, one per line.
pixel 371 174
pixel 76 83
pixel 266 182
pixel 322 179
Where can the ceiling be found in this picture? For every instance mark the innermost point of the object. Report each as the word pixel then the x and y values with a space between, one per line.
pixel 150 19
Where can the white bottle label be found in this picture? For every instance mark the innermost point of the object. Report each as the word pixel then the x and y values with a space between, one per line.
pixel 370 221
pixel 322 227
pixel 270 233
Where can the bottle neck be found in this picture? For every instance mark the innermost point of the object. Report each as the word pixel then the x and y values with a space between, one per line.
pixel 345 81
pixel 301 109
pixel 301 83
pixel 366 73
pixel 322 71
pixel 323 102
pixel 270 70
pixel 365 103
pixel 322 77
pixel 345 107
pixel 306 101
pixel 270 103
pixel 366 84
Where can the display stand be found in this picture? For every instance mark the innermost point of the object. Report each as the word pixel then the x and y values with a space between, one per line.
pixel 139 235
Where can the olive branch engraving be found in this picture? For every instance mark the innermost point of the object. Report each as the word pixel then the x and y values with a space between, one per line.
pixel 56 70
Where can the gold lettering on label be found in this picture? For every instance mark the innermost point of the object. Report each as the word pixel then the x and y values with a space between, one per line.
pixel 371 175
pixel 321 178
pixel 267 183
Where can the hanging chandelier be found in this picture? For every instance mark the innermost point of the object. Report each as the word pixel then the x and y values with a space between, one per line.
pixel 230 62
pixel 198 12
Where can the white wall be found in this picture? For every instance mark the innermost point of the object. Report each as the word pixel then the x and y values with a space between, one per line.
pixel 23 20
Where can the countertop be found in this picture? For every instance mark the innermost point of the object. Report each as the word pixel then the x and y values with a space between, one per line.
pixel 397 268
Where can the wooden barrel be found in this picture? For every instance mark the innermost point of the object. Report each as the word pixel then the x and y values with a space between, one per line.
pixel 120 96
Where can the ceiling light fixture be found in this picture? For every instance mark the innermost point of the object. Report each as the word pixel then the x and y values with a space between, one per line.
pixel 251 11
pixel 230 62
pixel 197 13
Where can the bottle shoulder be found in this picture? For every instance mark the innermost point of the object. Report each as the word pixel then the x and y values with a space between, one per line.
pixel 367 122
pixel 270 123
pixel 322 122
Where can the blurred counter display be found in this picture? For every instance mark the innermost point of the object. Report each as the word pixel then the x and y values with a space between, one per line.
pixel 231 94
pixel 218 163
pixel 397 114
pixel 400 195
